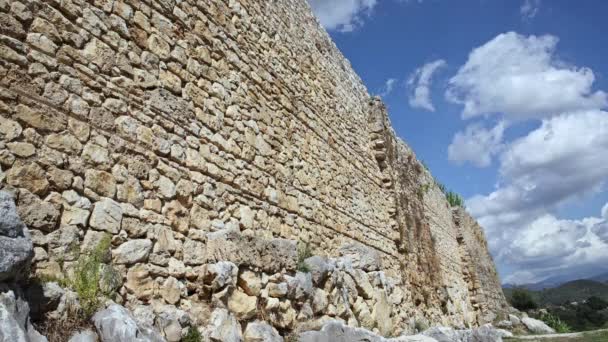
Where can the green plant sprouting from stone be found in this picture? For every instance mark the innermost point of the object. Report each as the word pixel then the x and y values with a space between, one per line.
pixel 193 335
pixel 453 198
pixel 304 252
pixel 87 274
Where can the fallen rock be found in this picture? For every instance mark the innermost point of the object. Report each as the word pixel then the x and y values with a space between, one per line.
pixel 485 333
pixel 537 327
pixel 43 297
pixel 10 225
pixel 15 325
pixel 277 290
pixel 505 324
pixel 16 248
pixel 514 319
pixel 84 336
pixel 115 324
pixel 300 287
pixel 319 268
pixel 337 331
pixel 242 305
pixel 250 283
pixel 223 327
pixel 261 332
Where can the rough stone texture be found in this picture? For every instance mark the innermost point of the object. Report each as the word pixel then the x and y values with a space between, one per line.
pixel 16 248
pixel 223 327
pixel 132 251
pixel 10 225
pixel 261 332
pixel 84 336
pixel 227 131
pixel 115 324
pixel 15 325
pixel 536 327
pixel 335 331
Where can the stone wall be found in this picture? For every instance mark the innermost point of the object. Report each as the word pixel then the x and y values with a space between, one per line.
pixel 175 126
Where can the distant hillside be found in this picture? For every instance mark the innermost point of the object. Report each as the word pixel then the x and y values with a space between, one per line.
pixel 556 281
pixel 573 291
pixel 601 277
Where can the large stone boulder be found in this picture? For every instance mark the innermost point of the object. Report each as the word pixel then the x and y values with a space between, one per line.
pixel 319 267
pixel 361 256
pixel 15 325
pixel 16 248
pixel 84 336
pixel 336 331
pixel 536 327
pixel 223 327
pixel 270 256
pixel 485 333
pixel 261 332
pixel 116 324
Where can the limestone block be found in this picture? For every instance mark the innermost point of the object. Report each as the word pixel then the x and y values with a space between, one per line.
pixel 194 252
pixel 95 154
pixel 537 327
pixel 258 331
pixel 29 176
pixel 139 282
pixel 117 324
pixel 362 257
pixel 38 214
pixel 220 275
pixel 382 313
pixel 242 305
pixel 171 290
pixel 9 129
pixel 64 142
pixel 250 282
pixel 106 216
pixel 223 327
pixel 101 182
pixel 16 248
pixel 38 120
pixel 132 251
pixel 277 290
pixel 319 301
pixel 268 255
pixel 21 149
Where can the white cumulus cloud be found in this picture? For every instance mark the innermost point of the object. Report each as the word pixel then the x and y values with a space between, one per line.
pixel 518 79
pixel 342 15
pixel 521 78
pixel 420 84
pixel 548 246
pixel 476 144
pixel 561 161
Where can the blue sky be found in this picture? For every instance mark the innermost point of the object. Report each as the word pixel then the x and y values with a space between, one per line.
pixel 505 101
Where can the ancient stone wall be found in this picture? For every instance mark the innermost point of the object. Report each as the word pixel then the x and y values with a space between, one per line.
pixel 180 127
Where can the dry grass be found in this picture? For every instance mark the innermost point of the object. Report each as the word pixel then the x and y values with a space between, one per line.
pixel 60 330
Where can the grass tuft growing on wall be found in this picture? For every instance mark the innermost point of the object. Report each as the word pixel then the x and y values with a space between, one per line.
pixel 304 252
